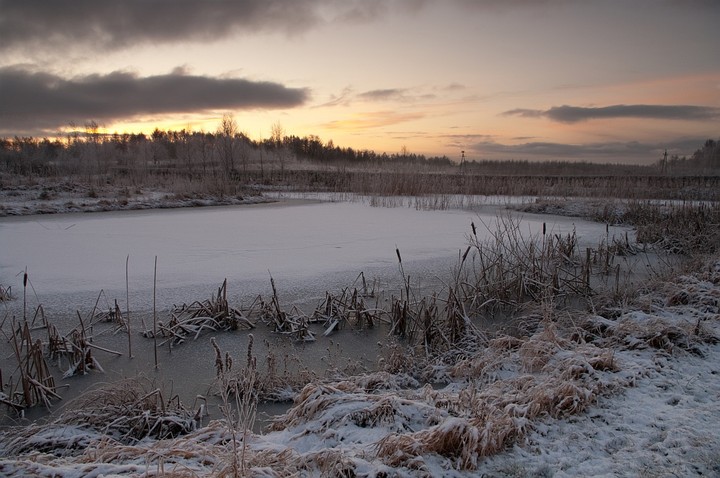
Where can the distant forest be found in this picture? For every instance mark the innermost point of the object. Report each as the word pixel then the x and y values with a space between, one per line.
pixel 233 154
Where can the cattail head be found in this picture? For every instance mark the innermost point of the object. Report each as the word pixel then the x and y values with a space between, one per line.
pixel 467 251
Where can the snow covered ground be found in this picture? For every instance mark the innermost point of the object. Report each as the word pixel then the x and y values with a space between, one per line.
pixel 55 197
pixel 632 390
pixel 634 394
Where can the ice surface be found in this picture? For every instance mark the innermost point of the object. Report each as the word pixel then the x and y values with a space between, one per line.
pixel 295 242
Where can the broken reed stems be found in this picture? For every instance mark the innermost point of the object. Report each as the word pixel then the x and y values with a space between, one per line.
pixel 36 381
pixel 190 320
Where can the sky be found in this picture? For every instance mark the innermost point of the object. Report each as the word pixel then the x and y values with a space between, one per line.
pixel 593 80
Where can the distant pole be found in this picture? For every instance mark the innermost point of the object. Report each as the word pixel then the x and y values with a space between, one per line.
pixel 663 166
pixel 462 160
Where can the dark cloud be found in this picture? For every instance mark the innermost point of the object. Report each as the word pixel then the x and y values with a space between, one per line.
pixel 113 25
pixel 383 94
pixel 611 152
pixel 525 113
pixel 101 25
pixel 574 114
pixel 42 101
pixel 501 6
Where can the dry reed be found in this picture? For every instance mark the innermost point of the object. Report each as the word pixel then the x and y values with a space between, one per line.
pixel 191 320
pixel 5 293
pixel 35 384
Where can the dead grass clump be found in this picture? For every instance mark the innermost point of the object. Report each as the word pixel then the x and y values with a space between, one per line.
pixel 682 229
pixel 46 450
pixel 58 440
pixel 535 354
pixel 190 320
pixel 330 409
pixel 697 292
pixel 455 438
pixel 330 463
pixel 131 410
pixel 537 351
pixel 378 381
pixel 491 413
pixel 483 364
pixel 313 399
pixel 273 463
pixel 639 330
pixel 381 413
pixel 397 358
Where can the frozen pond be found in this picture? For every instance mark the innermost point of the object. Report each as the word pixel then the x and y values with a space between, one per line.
pixel 301 244
pixel 309 247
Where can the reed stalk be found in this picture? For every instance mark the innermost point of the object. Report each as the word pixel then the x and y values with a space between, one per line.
pixel 155 314
pixel 127 305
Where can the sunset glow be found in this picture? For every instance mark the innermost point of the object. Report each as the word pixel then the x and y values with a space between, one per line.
pixel 435 77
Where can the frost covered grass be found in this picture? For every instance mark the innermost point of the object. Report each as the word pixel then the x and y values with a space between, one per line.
pixel 388 186
pixel 581 394
pixel 54 196
pixel 680 227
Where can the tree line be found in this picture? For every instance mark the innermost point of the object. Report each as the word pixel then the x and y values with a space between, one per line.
pixel 231 153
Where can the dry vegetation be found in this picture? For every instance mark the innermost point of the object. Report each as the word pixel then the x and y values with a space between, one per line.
pixel 387 422
pixel 194 168
pixel 567 313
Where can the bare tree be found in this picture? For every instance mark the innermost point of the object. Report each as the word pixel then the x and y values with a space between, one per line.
pixel 228 130
pixel 277 133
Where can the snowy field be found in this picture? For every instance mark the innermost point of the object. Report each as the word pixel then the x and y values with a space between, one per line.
pixel 634 392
